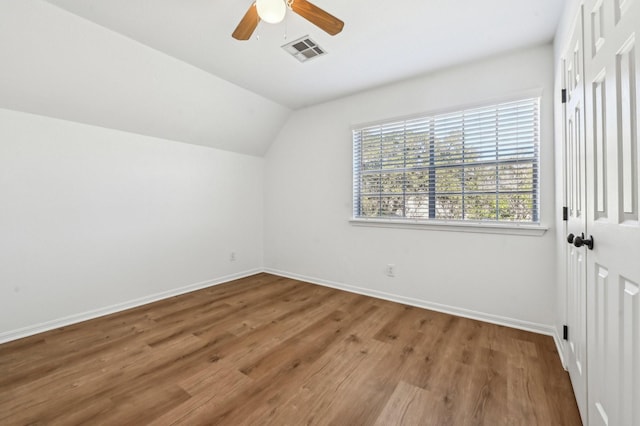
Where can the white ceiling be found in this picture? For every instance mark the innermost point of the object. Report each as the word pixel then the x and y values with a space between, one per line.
pixel 56 64
pixel 170 68
pixel 382 41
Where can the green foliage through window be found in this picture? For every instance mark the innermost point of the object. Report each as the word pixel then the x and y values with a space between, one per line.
pixel 479 164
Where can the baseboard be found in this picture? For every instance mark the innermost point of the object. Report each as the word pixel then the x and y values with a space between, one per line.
pixel 84 316
pixel 466 313
pixel 481 316
pixel 559 347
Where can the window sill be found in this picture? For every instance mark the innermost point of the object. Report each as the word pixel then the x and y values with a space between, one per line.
pixel 477 227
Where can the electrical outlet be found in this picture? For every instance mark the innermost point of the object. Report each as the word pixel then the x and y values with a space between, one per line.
pixel 232 256
pixel 391 270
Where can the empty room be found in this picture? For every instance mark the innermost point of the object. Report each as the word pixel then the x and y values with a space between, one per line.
pixel 296 212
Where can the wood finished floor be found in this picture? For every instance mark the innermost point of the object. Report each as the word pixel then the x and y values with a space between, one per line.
pixel 271 350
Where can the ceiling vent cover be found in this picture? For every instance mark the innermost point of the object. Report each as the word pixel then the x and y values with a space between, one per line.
pixel 304 49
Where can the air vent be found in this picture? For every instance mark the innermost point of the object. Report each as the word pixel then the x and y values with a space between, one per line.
pixel 304 49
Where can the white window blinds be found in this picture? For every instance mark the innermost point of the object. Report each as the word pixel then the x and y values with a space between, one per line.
pixel 479 164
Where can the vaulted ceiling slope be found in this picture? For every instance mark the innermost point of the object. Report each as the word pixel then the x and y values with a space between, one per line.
pixel 170 68
pixel 382 41
pixel 58 64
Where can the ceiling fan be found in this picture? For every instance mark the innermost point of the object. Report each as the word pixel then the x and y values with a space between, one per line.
pixel 273 11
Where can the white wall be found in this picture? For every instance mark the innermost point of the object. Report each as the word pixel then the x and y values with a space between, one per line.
pixel 308 180
pixel 93 220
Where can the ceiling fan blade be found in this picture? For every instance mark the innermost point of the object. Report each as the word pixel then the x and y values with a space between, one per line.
pixel 247 25
pixel 317 16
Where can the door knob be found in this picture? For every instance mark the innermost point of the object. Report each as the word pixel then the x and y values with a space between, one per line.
pixel 570 238
pixel 582 241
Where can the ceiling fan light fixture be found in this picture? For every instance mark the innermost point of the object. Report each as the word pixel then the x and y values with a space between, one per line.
pixel 271 11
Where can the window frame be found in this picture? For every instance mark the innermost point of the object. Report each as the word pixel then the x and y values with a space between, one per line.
pixel 463 225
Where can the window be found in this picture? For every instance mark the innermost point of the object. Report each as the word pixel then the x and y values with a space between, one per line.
pixel 478 164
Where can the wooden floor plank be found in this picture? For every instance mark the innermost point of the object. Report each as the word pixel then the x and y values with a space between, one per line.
pixel 210 389
pixel 271 350
pixel 408 405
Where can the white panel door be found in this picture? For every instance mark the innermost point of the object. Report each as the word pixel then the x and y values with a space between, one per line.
pixel 574 149
pixel 612 70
